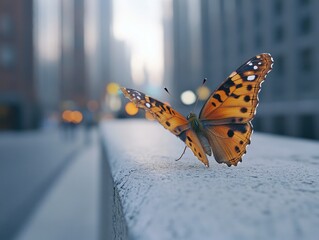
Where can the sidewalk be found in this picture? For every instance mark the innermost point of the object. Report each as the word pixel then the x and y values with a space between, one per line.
pixel 71 209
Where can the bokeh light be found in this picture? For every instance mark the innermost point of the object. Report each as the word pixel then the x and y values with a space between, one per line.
pixel 76 117
pixel 112 88
pixel 66 115
pixel 115 103
pixel 72 116
pixel 203 92
pixel 131 109
pixel 188 97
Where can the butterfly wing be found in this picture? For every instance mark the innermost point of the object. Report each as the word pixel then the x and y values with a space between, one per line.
pixel 236 99
pixel 227 113
pixel 164 114
pixel 229 141
pixel 192 141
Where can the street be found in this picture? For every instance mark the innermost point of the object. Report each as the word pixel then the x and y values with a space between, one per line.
pixel 32 165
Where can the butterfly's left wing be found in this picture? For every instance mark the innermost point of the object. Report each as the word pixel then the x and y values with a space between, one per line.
pixel 168 117
pixel 227 113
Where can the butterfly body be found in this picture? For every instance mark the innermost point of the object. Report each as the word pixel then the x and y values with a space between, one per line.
pixel 223 127
pixel 194 122
pixel 197 126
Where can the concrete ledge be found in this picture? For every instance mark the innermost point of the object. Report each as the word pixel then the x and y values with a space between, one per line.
pixel 272 194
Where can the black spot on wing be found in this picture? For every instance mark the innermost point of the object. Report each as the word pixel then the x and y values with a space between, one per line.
pixel 189 139
pixel 239 127
pixel 230 133
pixel 234 95
pixel 217 96
pixel 226 86
pixel 247 98
pixel 239 85
pixel 169 109
pixel 237 149
pixel 243 109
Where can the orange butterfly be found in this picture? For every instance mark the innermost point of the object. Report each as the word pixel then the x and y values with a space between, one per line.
pixel 223 127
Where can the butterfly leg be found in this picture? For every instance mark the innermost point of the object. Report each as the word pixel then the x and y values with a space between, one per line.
pixel 182 154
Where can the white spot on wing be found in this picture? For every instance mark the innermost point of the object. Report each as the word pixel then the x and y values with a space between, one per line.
pixel 255 67
pixel 148 105
pixel 251 78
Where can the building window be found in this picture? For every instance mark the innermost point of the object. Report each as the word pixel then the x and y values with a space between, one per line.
pixel 239 4
pixel 280 66
pixel 258 40
pixel 306 60
pixel 305 25
pixel 6 25
pixel 305 77
pixel 7 56
pixel 279 33
pixel 304 2
pixel 278 87
pixel 279 126
pixel 241 46
pixel 257 13
pixel 278 7
pixel 307 126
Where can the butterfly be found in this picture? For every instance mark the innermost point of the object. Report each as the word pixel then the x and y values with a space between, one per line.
pixel 223 127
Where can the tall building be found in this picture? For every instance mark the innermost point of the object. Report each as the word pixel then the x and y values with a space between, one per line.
pixel 72 52
pixel 18 102
pixel 232 31
pixel 47 54
pixel 73 69
pixel 52 52
pixel 186 56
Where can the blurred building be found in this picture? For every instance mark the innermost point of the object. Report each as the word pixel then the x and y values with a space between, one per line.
pixel 184 53
pixel 18 101
pixel 53 55
pixel 230 32
pixel 79 67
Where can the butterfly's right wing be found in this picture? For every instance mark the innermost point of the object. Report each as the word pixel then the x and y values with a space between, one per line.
pixel 227 113
pixel 229 141
pixel 236 99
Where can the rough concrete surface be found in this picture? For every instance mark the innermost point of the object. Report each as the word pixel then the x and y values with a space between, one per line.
pixel 272 194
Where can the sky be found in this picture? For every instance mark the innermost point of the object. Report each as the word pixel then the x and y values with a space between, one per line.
pixel 139 24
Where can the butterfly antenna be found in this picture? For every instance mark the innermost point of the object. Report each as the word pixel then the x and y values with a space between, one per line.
pixel 204 81
pixel 167 91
